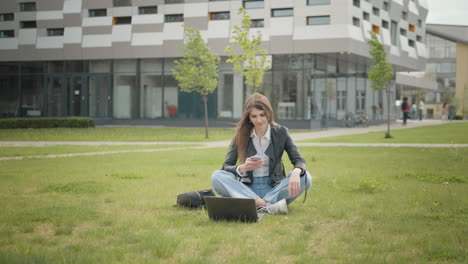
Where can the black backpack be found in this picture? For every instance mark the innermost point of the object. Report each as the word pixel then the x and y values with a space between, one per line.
pixel 193 200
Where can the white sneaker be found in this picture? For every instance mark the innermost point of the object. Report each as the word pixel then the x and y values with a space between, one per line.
pixel 280 207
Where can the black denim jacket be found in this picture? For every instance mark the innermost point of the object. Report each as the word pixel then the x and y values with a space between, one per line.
pixel 280 142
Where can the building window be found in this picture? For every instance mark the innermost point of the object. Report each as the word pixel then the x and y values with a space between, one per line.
pixel 174 18
pixel 219 16
pixel 53 32
pixel 365 16
pixel 122 20
pixel 404 15
pixel 122 2
pixel 419 38
pixel 393 32
pixel 173 1
pixel 28 24
pixel 412 28
pixel 375 11
pixel 145 10
pixel 248 4
pixel 385 6
pixel 341 100
pixel 318 20
pixel 376 29
pixel 419 23
pixel 7 33
pixel 402 32
pixel 411 43
pixel 385 24
pixel 357 3
pixel 318 2
pixel 257 23
pixel 97 12
pixel 7 17
pixel 356 22
pixel 282 12
pixel 27 6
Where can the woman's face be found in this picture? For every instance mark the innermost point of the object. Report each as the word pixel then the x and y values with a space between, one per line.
pixel 258 118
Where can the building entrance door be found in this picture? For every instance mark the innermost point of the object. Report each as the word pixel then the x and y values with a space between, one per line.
pixel 67 95
pixel 77 99
pixel 99 95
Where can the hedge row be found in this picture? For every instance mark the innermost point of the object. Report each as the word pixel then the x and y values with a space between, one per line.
pixel 52 122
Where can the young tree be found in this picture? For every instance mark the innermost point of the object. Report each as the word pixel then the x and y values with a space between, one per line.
pixel 380 72
pixel 197 70
pixel 252 61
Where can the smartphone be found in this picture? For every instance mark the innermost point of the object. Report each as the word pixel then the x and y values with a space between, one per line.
pixel 255 158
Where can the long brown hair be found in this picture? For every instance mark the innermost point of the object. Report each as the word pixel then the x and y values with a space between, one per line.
pixel 244 126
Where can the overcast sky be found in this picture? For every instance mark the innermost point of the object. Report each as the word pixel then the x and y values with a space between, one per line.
pixel 449 12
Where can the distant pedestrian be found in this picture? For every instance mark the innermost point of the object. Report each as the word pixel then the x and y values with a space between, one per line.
pixel 374 112
pixel 380 111
pixel 413 111
pixel 451 111
pixel 405 108
pixel 421 110
pixel 445 111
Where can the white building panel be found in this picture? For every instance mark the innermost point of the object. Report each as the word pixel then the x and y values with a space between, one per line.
pixel 147 39
pixel 412 52
pixel 49 15
pixel 421 50
pixel 90 41
pixel 366 27
pixel 218 29
pixel 355 33
pixel 27 36
pixel 322 32
pixel 8 44
pixel 423 3
pixel 196 10
pixel 404 43
pixel 219 6
pixel 281 26
pixel 72 35
pixel 173 31
pixel 50 42
pixel 72 6
pixel 122 33
pixel 264 31
pixel 172 9
pixel 395 51
pixel 399 2
pixel 386 36
pixel 412 8
pixel 122 11
pixel 281 3
pixel 148 19
pixel 97 21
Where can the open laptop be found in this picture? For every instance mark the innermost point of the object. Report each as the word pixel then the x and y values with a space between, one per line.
pixel 232 209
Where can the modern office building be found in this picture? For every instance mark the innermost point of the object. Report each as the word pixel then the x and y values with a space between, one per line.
pixel 112 59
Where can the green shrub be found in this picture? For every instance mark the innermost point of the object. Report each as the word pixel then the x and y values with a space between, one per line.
pixel 50 122
pixel 458 117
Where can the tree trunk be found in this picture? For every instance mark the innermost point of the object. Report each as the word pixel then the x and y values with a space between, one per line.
pixel 205 102
pixel 388 113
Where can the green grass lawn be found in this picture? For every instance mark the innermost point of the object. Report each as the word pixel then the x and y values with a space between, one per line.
pixel 67 149
pixel 366 205
pixel 444 134
pixel 115 134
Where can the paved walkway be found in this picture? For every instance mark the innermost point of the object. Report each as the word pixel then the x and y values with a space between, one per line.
pixel 331 132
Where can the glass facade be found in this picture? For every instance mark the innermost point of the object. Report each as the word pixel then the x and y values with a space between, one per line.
pixel 441 66
pixel 313 87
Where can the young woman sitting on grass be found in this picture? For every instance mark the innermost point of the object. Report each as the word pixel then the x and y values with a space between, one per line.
pixel 253 167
